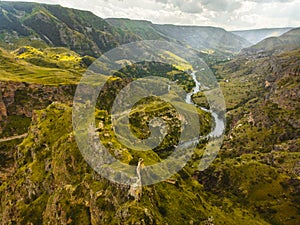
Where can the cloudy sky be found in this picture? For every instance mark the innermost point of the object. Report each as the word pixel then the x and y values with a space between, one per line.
pixel 229 14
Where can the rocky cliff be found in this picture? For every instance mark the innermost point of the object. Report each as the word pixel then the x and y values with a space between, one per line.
pixel 18 100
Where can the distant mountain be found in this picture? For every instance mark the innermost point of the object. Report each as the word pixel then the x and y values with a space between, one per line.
pixel 255 36
pixel 197 37
pixel 205 37
pixel 53 25
pixel 286 42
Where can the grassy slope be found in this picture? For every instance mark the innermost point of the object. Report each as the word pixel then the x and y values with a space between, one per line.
pixel 14 69
pixel 52 57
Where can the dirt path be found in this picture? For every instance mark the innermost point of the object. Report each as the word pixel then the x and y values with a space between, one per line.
pixel 13 138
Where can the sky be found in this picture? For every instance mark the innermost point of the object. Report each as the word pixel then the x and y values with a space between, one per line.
pixel 228 14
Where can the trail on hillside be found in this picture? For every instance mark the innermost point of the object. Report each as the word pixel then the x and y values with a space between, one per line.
pixel 13 138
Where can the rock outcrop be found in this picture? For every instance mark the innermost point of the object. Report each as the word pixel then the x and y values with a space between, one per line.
pixel 20 99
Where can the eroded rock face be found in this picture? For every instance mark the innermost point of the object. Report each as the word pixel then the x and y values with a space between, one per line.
pixel 20 99
pixel 24 97
pixel 3 111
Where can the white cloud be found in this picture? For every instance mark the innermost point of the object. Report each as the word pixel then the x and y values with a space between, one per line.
pixel 222 5
pixel 229 14
pixel 188 6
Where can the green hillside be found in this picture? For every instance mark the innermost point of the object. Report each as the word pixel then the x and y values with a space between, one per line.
pixel 53 25
pixel 144 29
pixel 28 65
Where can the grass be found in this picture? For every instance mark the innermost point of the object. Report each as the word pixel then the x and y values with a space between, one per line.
pixel 18 70
pixel 50 57
pixel 179 63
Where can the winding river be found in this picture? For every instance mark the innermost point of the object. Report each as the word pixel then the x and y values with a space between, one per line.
pixel 219 127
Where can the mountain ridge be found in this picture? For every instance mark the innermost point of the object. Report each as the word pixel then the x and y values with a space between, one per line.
pixel 197 37
pixel 88 34
pixel 53 25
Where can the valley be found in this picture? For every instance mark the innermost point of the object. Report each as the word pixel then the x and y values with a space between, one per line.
pixel 45 178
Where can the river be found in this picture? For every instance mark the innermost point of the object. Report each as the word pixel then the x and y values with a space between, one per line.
pixel 219 127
